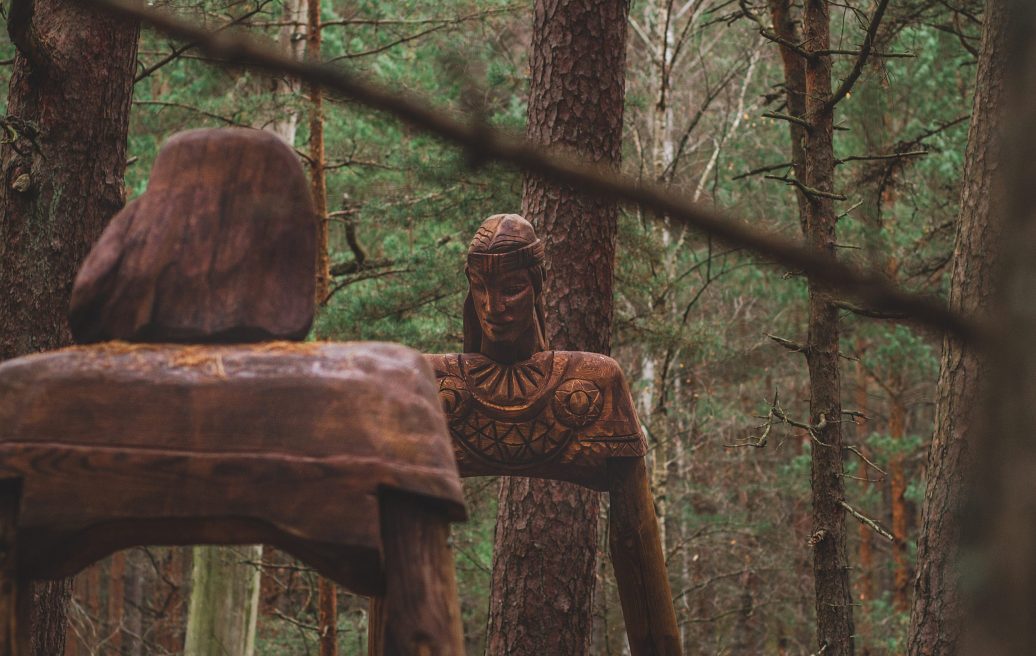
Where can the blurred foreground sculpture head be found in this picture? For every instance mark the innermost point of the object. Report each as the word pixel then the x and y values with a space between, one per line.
pixel 505 273
pixel 221 247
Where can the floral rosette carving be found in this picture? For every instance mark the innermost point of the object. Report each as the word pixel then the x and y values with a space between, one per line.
pixel 577 402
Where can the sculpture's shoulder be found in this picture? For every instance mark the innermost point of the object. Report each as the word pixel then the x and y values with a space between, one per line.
pixel 444 364
pixel 591 366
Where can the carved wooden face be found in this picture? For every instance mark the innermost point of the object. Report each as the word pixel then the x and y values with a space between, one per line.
pixel 505 304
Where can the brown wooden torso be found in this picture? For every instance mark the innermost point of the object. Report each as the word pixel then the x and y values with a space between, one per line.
pixel 559 414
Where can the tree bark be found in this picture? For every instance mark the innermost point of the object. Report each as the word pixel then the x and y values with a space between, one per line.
pixel 1003 449
pixel 807 82
pixel 62 179
pixel 897 492
pixel 546 535
pixel 830 564
pixel 224 602
pixel 936 614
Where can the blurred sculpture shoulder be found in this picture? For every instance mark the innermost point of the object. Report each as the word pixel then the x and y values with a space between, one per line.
pixel 221 247
pixel 559 414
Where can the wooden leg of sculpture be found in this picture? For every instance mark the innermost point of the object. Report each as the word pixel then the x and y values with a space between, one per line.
pixel 420 612
pixel 639 562
pixel 11 612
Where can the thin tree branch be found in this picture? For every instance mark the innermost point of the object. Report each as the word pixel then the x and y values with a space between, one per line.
pixel 867 521
pixel 865 51
pixel 176 52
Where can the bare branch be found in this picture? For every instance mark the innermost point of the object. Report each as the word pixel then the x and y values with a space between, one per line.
pixel 794 347
pixel 871 158
pixel 764 169
pixel 867 521
pixel 809 191
pixel 865 51
pixel 176 52
pixel 797 120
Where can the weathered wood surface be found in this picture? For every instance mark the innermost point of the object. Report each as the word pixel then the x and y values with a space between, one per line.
pixel 639 562
pixel 558 415
pixel 126 444
pixel 220 248
pixel 418 615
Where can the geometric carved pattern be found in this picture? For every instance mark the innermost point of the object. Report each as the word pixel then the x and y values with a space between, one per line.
pixel 577 402
pixel 510 444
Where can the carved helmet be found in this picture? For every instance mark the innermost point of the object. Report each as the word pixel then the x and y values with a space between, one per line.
pixel 503 243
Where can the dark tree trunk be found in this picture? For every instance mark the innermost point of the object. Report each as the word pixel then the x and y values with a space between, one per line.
pixel 808 90
pixel 830 564
pixel 546 535
pixel 785 25
pixel 936 617
pixel 62 179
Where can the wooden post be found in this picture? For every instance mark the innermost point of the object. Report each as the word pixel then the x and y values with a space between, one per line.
pixel 12 615
pixel 419 614
pixel 639 562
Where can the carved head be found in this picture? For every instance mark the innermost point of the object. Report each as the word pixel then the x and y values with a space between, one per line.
pixel 505 286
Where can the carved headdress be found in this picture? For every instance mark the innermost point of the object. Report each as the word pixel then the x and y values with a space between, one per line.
pixel 503 243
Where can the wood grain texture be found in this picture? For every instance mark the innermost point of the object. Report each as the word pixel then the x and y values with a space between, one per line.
pixel 419 614
pixel 220 248
pixel 559 415
pixel 639 562
pixel 121 445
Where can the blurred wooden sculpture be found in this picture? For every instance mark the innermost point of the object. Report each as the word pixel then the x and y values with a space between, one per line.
pixel 337 453
pixel 516 408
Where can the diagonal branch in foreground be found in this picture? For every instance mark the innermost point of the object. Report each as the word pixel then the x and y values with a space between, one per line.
pixel 483 144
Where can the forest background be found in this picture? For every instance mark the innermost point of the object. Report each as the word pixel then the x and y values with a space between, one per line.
pixel 702 331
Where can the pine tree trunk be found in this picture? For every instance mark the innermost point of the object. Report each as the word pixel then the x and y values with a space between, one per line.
pixel 62 180
pixel 866 580
pixel 1002 447
pixel 830 564
pixel 808 89
pixel 936 615
pixel 897 492
pixel 546 536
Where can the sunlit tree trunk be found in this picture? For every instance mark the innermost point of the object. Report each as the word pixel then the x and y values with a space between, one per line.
pixel 224 602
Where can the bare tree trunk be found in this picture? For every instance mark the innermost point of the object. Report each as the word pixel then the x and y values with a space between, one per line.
pixel 62 181
pixel 866 563
pixel 936 615
pixel 830 564
pixel 808 91
pixel 897 492
pixel 786 26
pixel 1004 452
pixel 224 602
pixel 546 535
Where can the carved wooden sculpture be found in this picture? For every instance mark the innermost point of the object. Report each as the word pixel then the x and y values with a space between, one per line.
pixel 516 408
pixel 337 453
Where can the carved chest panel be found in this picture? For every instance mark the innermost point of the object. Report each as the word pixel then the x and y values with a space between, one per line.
pixel 560 414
